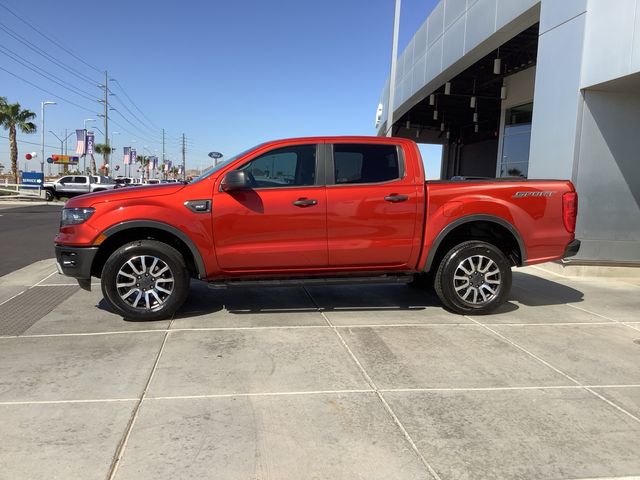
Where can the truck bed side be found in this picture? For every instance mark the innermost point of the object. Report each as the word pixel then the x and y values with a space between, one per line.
pixel 531 211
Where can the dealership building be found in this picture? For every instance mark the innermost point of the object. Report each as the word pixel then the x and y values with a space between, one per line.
pixel 542 89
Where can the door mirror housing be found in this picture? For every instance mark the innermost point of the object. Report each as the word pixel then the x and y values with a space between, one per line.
pixel 235 180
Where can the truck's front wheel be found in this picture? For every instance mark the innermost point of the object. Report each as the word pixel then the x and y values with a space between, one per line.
pixel 145 280
pixel 49 196
pixel 474 278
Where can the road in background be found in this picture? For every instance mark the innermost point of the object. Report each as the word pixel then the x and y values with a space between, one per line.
pixel 26 235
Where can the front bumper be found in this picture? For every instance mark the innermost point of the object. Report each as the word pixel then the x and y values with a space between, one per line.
pixel 572 249
pixel 76 262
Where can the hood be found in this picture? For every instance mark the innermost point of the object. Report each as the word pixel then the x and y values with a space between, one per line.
pixel 125 193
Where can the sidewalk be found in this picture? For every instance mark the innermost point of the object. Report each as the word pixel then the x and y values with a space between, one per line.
pixel 326 382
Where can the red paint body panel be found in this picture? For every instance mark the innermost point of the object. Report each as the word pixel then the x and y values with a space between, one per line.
pixel 351 228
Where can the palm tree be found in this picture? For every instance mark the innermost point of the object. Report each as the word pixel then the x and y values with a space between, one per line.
pixel 13 118
pixel 104 150
pixel 143 160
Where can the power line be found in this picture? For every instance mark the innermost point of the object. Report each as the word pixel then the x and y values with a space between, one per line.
pixel 133 134
pixel 133 103
pixel 37 69
pixel 133 114
pixel 134 125
pixel 77 74
pixel 47 56
pixel 56 43
pixel 30 143
pixel 47 91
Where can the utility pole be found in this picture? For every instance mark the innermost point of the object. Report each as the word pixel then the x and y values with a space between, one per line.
pixel 163 159
pixel 184 163
pixel 106 113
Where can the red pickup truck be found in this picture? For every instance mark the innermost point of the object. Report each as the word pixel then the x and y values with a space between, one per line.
pixel 315 211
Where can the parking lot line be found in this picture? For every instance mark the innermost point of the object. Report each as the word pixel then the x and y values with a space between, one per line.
pixel 56 402
pixel 315 392
pixel 259 394
pixel 299 327
pixel 498 389
pixel 567 376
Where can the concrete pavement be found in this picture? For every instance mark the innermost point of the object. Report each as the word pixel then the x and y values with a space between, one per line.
pixel 325 382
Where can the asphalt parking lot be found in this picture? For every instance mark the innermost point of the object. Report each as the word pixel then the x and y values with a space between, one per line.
pixel 323 383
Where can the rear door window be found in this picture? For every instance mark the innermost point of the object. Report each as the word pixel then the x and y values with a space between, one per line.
pixel 79 179
pixel 365 163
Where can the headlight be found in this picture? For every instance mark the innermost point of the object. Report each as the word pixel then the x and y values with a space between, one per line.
pixel 75 216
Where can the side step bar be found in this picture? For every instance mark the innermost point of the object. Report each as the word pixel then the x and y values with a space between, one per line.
pixel 313 281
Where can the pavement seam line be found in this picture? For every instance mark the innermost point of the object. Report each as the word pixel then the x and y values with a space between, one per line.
pixel 600 315
pixel 566 375
pixel 115 463
pixel 371 383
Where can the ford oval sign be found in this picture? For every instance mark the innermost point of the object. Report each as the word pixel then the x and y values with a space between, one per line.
pixel 215 155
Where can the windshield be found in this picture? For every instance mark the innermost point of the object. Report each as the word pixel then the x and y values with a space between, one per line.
pixel 223 164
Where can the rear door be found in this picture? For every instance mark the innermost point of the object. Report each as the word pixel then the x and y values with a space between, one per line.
pixel 80 184
pixel 372 207
pixel 278 224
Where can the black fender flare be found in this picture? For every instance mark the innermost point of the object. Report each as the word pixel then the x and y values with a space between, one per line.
pixel 475 218
pixel 129 224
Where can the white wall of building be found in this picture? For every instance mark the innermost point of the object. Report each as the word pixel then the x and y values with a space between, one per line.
pixel 558 100
pixel 612 41
pixel 608 175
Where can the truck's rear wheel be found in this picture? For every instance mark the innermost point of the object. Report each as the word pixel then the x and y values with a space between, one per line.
pixel 145 280
pixel 474 278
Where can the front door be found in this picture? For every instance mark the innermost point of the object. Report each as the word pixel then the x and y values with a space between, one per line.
pixel 280 222
pixel 372 207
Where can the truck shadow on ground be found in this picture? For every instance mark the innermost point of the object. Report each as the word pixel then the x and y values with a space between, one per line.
pixel 528 290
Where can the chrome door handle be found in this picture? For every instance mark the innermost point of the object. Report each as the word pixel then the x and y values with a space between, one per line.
pixel 303 202
pixel 395 198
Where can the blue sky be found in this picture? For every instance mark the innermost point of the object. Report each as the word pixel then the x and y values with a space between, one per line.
pixel 227 74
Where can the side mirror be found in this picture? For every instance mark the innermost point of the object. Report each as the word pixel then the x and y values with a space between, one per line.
pixel 235 180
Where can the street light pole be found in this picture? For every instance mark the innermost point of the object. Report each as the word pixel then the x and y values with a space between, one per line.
pixel 392 77
pixel 63 146
pixel 42 105
pixel 113 148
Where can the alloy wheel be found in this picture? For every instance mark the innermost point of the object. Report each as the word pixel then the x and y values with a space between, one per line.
pixel 145 282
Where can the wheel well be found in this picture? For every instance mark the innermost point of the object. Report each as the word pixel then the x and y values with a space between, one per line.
pixel 115 241
pixel 483 230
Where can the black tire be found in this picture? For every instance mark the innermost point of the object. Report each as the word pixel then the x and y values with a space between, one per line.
pixel 458 276
pixel 116 268
pixel 49 196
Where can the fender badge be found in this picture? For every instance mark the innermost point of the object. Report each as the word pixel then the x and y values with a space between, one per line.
pixel 532 194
